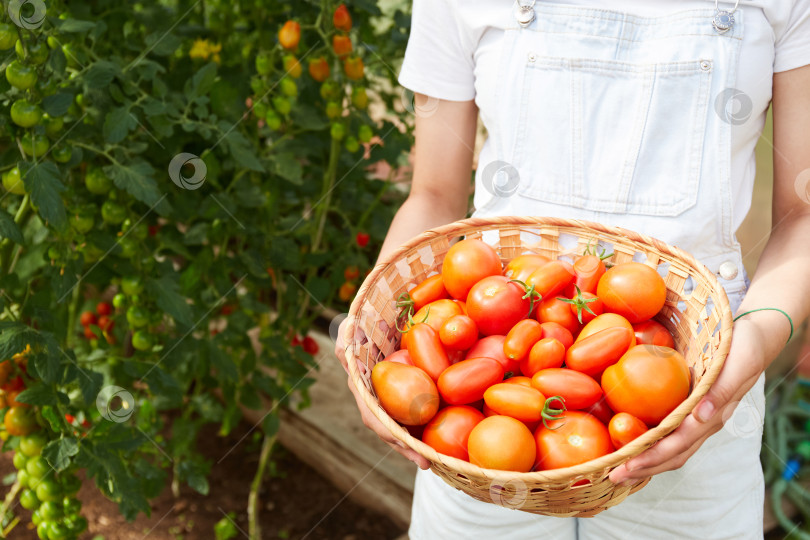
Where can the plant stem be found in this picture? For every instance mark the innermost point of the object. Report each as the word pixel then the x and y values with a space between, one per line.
pixel 7 244
pixel 72 308
pixel 254 529
pixel 12 494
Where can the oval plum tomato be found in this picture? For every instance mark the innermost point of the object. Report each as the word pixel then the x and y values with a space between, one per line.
pixel 290 35
pixel 466 381
pixel 653 333
pixel 319 69
pixel 492 347
pixel 437 312
pixel 519 379
pixel 20 421
pixel 577 389
pixel 342 45
pixel 487 449
pixel 407 393
pixel 588 270
pixel 466 263
pixel 575 439
pixel 401 356
pixel 633 290
pixel 459 332
pixel 521 338
pixel 585 306
pixel 545 354
pixel 523 403
pixel 341 18
pixel 605 320
pixel 648 382
pixel 601 410
pixel 624 427
pixel 426 350
pixel 354 68
pixel 449 430
pixel 496 305
pixel 428 291
pixel 559 311
pixel 522 266
pixel 292 66
pixel 595 353
pixel 550 279
pixel 558 332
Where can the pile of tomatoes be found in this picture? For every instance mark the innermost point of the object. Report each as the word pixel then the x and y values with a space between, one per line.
pixel 539 365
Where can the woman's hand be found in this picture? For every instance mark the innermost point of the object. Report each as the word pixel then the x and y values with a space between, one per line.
pixel 368 417
pixel 746 361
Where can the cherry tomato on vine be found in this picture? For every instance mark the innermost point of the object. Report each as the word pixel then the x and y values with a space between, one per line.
pixel 113 213
pixel 131 285
pixel 624 428
pixel 342 45
pixel 310 346
pixel 351 144
pixel 82 222
pixel 406 393
pixel 337 131
pixel 292 66
pixel 137 316
pixel 142 340
pixel 71 505
pixel 37 467
pixel 653 333
pixel 575 439
pixel 8 36
pixel 57 531
pixel 494 303
pixel 466 381
pixel 361 239
pixel 347 291
pixel 19 460
pixel 76 524
pixel 273 120
pixel 633 290
pixel 282 105
pixel 37 51
pixel 119 301
pixel 288 87
pixel 290 35
pixel 25 114
pixel 97 182
pixel 62 154
pixel 353 68
pixel 20 421
pixel 13 183
pixel 449 430
pixel 34 145
pixel 487 449
pixel 341 19
pixel 359 98
pixel 364 133
pixel 53 125
pixel 32 445
pixel 319 69
pixel 350 273
pixel 87 318
pixel 28 499
pixel 333 110
pixel 330 90
pixel 20 75
pixel 49 490
pixel 264 64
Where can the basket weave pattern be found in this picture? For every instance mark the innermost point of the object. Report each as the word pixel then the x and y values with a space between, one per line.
pixel 696 312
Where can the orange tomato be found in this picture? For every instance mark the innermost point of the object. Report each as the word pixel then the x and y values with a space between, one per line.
pixel 522 266
pixel 319 69
pixel 449 431
pixel 554 330
pixel 577 389
pixel 354 68
pixel 575 439
pixel 342 45
pixel 551 278
pixel 554 309
pixel 588 269
pixel 290 35
pixel 546 353
pixel 437 313
pixel 523 403
pixel 633 290
pixel 519 379
pixel 426 351
pixel 596 352
pixel 521 338
pixel 341 18
pixel 487 449
pixel 401 356
pixel 653 333
pixel 492 347
pixel 606 320
pixel 624 427
pixel 428 291
pixel 466 263
pixel 459 332
pixel 466 381
pixel 406 393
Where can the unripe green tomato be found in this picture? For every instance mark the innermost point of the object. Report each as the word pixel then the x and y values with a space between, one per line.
pixel 54 254
pixel 129 246
pixel 273 120
pixel 57 531
pixel 282 105
pixel 92 252
pixel 52 42
pixel 70 483
pixel 76 524
pixel 34 145
pixel 19 460
pixel 137 316
pixel 46 86
pixel 80 100
pixel 71 505
pixel 142 340
pixel 62 154
pixel 25 114
pixel 359 98
pixel 50 510
pixel 257 85
pixel 97 182
pixel 338 131
pixel 330 90
pixel 351 144
pixel 131 285
pixel 49 490
pixel 264 64
pixel 36 518
pixel 20 75
pixel 364 133
pixel 25 479
pixel 29 500
pixel 37 467
pixel 12 181
pixel 42 530
pixel 288 87
pixel 119 301
pixel 333 110
pixel 37 52
pixel 82 223
pixel 32 445
pixel 260 109
pixel 71 55
pixel 139 232
pixel 113 213
pixel 8 36
pixel 53 126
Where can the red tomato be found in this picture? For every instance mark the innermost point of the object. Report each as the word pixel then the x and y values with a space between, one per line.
pixel 467 381
pixel 466 263
pixel 401 356
pixel 89 333
pixel 522 266
pixel 449 430
pixel 648 382
pixel 309 344
pixel 87 318
pixel 585 306
pixel 496 305
pixel 459 332
pixel 550 279
pixel 624 428
pixel 521 338
pixel 487 449
pixel 342 45
pixel 605 320
pixel 523 403
pixel 428 291
pixel 601 410
pixel 546 353
pixel 561 334
pixel 492 347
pixel 319 70
pixel 652 332
pixel 554 309
pixel 577 389
pixel 575 439
pixel 341 18
pixel 103 308
pixel 595 353
pixel 354 68
pixel 633 290
pixel 588 269
pixel 426 350
pixel 437 312
pixel 406 393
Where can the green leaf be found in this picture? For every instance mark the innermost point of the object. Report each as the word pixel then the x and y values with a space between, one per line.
pixel 137 178
pixel 15 336
pixel 9 229
pixel 270 424
pixel 57 422
pixel 242 151
pixel 308 118
pixel 39 394
pixel 100 74
pixel 57 104
pixel 59 452
pixel 166 292
pixel 162 44
pixel 90 384
pixel 43 183
pixel 223 363
pixel 288 167
pixel 201 82
pixel 118 123
pixel 76 26
pixel 57 61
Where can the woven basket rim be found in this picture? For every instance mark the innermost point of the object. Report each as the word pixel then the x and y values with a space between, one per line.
pixel 609 461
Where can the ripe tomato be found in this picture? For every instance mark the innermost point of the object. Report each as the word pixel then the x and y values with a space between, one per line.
pixel 521 338
pixel 466 381
pixel 601 410
pixel 648 382
pixel 492 347
pixel 522 266
pixel 652 332
pixel 319 70
pixel 605 320
pixel 633 290
pixel 87 318
pixel 354 68
pixel 341 18
pixel 401 356
pixel 575 439
pixel 103 308
pixel 624 428
pixel 561 334
pixel 557 310
pixel 346 291
pixel 519 379
pixel 105 323
pixel 596 352
pixel 5 370
pixel 550 279
pixel 428 291
pixel 426 350
pixel 524 403
pixel 588 269
pixel 11 399
pixel 546 353
pixel 449 430
pixel 407 393
pixel 577 389
pixel 20 421
pixel 310 345
pixel 459 332
pixel 290 35
pixel 487 449
pixel 437 313
pixel 361 239
pixel 342 45
pixel 496 305
pixel 466 263
pixel 586 306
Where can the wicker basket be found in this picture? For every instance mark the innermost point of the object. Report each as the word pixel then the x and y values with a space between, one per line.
pixel 696 312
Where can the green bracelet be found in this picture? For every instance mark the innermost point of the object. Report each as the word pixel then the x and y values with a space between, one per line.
pixel 769 309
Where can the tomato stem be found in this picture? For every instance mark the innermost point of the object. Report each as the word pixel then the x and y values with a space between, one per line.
pixel 254 528
pixel 12 494
pixel 551 413
pixel 531 294
pixel 581 303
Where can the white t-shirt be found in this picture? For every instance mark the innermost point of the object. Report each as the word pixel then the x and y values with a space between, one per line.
pixel 453 53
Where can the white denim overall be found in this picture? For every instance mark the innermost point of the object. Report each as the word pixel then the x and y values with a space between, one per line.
pixel 611 118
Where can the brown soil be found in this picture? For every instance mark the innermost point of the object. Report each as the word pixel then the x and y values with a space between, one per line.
pixel 297 502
